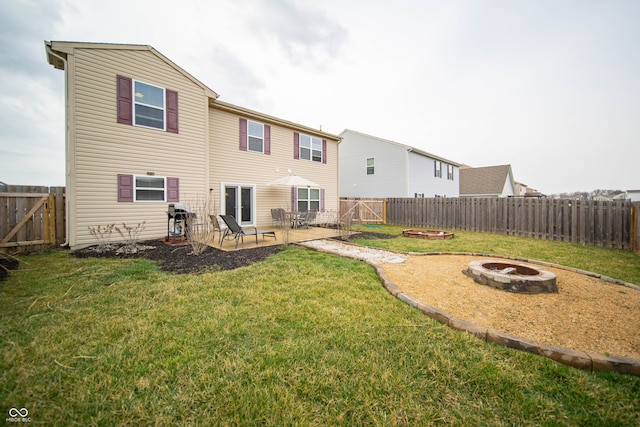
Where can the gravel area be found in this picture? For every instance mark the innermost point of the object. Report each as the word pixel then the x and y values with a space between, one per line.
pixel 587 314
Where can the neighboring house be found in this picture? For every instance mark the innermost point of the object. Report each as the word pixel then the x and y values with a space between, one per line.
pixel 376 167
pixel 523 190
pixel 141 133
pixel 633 195
pixel 488 181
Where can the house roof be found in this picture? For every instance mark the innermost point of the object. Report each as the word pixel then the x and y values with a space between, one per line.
pixel 57 52
pixel 265 118
pixel 406 147
pixel 488 180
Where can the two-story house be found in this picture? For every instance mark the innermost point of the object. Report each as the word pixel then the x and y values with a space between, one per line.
pixel 377 167
pixel 141 133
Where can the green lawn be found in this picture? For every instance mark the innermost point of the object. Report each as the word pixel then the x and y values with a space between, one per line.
pixel 303 338
pixel 620 264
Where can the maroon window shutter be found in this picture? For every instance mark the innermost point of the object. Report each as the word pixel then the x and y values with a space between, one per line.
pixel 125 100
pixel 172 111
pixel 324 151
pixel 173 189
pixel 267 139
pixel 322 200
pixel 243 134
pixel 296 145
pixel 294 199
pixel 125 188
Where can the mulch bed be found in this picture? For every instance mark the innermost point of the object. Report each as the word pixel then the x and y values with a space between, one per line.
pixel 179 258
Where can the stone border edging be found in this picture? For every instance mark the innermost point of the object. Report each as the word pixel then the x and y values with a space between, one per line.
pixel 576 359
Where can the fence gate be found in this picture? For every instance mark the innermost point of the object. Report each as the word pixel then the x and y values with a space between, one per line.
pixel 31 216
pixel 365 210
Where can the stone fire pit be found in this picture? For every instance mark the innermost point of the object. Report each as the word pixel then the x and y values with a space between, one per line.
pixel 512 277
pixel 427 234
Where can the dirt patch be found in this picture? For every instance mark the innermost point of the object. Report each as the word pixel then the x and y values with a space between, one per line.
pixel 587 314
pixel 180 259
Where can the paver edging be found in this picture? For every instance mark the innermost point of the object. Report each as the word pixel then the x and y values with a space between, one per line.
pixel 577 359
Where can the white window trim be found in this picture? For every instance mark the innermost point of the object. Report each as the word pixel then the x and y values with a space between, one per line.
pixel 164 105
pixel 310 159
pixel 249 137
pixel 254 200
pixel 135 188
pixel 373 166
pixel 309 199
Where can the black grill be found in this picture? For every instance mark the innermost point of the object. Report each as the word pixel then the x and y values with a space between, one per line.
pixel 180 214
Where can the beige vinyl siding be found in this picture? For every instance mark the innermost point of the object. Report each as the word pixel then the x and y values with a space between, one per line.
pixel 231 165
pixel 103 148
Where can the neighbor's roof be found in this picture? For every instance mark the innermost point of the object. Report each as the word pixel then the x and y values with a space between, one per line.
pixel 57 49
pixel 488 180
pixel 406 147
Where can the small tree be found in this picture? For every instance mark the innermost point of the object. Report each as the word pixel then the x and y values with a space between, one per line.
pixel 131 236
pixel 344 225
pixel 102 236
pixel 201 231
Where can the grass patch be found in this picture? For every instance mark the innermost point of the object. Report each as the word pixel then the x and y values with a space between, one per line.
pixel 303 338
pixel 616 263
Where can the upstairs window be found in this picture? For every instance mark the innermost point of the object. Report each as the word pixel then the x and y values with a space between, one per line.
pixel 370 166
pixel 255 134
pixel 148 105
pixel 143 104
pixel 437 169
pixel 310 148
pixel 450 172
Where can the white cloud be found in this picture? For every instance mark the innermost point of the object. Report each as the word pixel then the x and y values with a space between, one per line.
pixel 547 86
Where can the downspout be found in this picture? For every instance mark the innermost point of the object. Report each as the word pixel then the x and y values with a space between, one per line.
pixel 406 172
pixel 66 140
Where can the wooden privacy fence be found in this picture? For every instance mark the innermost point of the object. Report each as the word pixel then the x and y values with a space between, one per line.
pixel 603 223
pixel 31 216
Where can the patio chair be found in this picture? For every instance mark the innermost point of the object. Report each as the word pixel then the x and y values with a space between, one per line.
pixel 305 219
pixel 234 230
pixel 278 216
pixel 215 225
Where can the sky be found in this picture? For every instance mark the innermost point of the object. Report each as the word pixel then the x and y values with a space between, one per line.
pixel 551 87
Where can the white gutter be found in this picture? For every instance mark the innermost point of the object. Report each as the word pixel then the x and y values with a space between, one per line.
pixel 66 139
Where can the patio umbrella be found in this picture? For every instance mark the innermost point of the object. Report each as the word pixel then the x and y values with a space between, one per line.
pixel 292 181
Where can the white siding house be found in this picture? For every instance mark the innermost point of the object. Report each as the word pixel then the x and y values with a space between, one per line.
pixel 377 167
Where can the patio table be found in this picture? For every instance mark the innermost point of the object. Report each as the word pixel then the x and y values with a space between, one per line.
pixel 294 218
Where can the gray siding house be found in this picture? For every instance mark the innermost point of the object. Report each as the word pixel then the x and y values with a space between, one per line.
pixel 375 167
